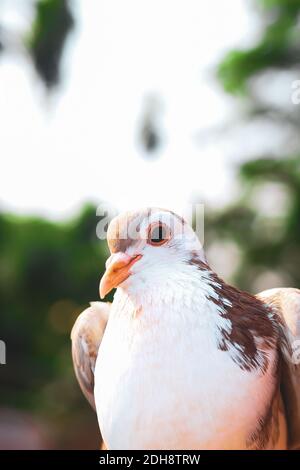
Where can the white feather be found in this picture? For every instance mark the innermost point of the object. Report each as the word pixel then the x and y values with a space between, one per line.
pixel 161 381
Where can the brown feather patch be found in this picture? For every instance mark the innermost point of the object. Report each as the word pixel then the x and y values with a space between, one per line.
pixel 253 331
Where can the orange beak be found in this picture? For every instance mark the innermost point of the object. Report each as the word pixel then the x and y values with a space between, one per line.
pixel 117 270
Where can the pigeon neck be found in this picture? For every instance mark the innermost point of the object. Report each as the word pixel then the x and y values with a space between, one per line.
pixel 240 324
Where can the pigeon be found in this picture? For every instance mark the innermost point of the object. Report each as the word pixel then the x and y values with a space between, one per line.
pixel 181 359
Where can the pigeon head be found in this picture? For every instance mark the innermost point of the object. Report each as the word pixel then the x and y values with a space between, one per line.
pixel 146 246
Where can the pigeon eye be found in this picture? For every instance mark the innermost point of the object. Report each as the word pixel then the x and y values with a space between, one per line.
pixel 158 234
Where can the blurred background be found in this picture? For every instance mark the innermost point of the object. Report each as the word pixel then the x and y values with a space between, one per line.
pixel 133 103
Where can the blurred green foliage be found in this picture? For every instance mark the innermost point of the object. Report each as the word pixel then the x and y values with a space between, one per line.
pixel 267 241
pixel 48 273
pixel 52 24
pixel 279 46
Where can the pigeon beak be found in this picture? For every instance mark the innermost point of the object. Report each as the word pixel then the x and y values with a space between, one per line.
pixel 117 270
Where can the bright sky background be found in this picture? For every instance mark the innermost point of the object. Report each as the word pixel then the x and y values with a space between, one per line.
pixel 81 145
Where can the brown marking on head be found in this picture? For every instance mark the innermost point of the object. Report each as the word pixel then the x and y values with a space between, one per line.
pixel 119 230
pixel 253 331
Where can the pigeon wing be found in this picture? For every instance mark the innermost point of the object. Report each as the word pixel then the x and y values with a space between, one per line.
pixel 286 304
pixel 86 336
